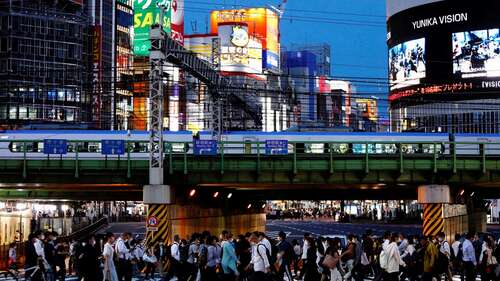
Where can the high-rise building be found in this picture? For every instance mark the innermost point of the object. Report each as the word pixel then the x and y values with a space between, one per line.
pixel 43 62
pixel 323 54
pixel 124 60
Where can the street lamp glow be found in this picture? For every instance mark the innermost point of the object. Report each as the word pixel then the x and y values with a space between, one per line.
pixel 249 206
pixel 263 206
pixel 216 194
pixel 462 192
pixel 229 196
pixel 192 192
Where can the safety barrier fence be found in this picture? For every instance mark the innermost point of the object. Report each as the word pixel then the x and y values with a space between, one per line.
pixel 79 150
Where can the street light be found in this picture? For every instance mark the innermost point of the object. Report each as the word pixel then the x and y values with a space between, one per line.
pixel 229 196
pixel 192 192
pixel 249 206
pixel 216 194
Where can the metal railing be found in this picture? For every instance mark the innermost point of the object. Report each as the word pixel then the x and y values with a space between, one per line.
pixel 78 150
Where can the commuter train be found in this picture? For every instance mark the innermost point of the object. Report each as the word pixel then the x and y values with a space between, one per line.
pixel 12 143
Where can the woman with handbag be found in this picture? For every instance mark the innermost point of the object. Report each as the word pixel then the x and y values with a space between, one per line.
pixel 489 263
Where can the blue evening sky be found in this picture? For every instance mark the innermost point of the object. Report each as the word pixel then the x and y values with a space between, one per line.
pixel 355 30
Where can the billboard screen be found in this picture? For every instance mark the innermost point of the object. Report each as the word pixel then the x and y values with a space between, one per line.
pixel 239 52
pixel 147 13
pixel 262 23
pixel 407 63
pixel 445 51
pixel 476 53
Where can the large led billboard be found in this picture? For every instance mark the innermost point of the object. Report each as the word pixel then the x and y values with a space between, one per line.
pixel 407 63
pixel 444 49
pixel 262 23
pixel 147 13
pixel 476 53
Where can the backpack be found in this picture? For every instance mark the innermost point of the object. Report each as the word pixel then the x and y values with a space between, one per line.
pixel 184 253
pixel 460 253
pixel 442 263
pixel 269 256
pixel 203 256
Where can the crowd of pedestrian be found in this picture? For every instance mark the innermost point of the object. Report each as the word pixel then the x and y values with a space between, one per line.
pixel 257 257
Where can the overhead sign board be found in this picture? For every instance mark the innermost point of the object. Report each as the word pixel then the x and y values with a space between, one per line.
pixel 112 147
pixel 205 147
pixel 55 146
pixel 276 147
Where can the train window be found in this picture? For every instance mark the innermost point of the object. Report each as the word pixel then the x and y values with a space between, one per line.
pixel 19 147
pixel 429 148
pixel 178 147
pixel 340 148
pixel 94 147
pixel 315 148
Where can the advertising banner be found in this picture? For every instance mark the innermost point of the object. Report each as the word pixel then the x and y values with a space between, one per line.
pixel 238 51
pixel 178 20
pixel 147 13
pixel 262 23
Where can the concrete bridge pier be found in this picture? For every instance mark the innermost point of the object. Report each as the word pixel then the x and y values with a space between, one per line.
pixel 440 214
pixel 178 217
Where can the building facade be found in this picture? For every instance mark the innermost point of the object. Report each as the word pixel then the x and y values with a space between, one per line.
pixel 444 61
pixel 43 63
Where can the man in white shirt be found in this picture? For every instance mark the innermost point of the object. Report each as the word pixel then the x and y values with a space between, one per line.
pixel 469 258
pixel 305 247
pixel 124 256
pixel 456 244
pixel 266 242
pixel 176 257
pixel 444 247
pixel 260 262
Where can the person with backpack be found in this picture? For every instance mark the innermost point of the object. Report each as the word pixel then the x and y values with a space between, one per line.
pixel 443 262
pixel 193 256
pixel 175 257
pixel 259 262
pixel 409 257
pixel 285 256
pixel 183 254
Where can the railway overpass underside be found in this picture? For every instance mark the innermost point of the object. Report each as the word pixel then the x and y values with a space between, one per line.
pixel 228 192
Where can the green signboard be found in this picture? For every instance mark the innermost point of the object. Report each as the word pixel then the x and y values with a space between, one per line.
pixel 147 13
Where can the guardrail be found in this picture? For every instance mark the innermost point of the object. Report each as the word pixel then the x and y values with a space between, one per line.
pixel 27 150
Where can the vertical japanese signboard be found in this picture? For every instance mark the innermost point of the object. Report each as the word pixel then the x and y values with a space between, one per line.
pixel 96 75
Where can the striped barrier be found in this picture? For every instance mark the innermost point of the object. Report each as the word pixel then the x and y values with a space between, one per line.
pixel 433 219
pixel 163 231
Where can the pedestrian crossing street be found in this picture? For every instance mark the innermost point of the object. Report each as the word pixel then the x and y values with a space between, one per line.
pixel 74 278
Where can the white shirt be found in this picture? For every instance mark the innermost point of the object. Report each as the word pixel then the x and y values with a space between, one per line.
pixel 259 258
pixel 108 251
pixel 39 248
pixel 174 251
pixel 305 247
pixel 121 249
pixel 469 254
pixel 455 246
pixel 445 248
pixel 393 258
pixel 268 245
pixel 149 258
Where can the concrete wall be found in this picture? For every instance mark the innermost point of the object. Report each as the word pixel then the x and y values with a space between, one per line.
pixel 189 219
